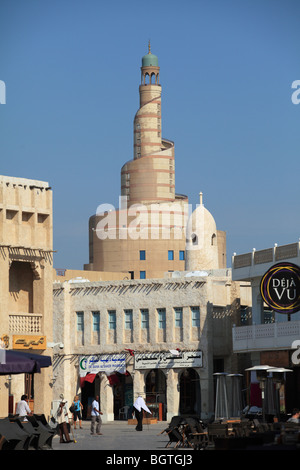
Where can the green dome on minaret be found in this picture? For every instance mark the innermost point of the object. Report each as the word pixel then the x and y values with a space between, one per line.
pixel 150 60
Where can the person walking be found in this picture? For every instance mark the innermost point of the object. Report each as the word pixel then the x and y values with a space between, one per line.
pixel 139 407
pixel 62 412
pixel 96 418
pixel 77 411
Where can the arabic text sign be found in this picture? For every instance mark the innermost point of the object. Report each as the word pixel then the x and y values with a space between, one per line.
pixel 167 360
pixel 29 342
pixel 102 363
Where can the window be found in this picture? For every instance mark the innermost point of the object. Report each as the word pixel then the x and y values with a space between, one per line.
pixel 80 322
pixel 181 255
pixel 112 320
pixel 245 315
pixel 194 239
pixel 268 316
pixel 170 255
pixel 142 255
pixel 161 318
pixel 178 317
pixel 195 316
pixel 128 320
pixel 145 318
pixel 96 321
pixel 142 274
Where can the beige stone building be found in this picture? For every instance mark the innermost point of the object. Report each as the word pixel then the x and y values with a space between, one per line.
pixel 156 284
pixel 99 323
pixel 26 286
pixel 146 236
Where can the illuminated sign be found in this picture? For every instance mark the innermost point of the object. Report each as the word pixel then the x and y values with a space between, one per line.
pixel 280 288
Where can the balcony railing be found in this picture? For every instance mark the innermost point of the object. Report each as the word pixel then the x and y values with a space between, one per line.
pixel 271 336
pixel 270 255
pixel 25 323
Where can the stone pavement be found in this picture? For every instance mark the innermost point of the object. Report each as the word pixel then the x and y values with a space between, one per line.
pixel 117 435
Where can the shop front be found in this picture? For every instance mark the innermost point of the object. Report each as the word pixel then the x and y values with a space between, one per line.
pixel 171 382
pixel 106 376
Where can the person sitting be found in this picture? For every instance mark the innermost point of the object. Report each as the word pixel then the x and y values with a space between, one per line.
pixel 295 416
pixel 22 408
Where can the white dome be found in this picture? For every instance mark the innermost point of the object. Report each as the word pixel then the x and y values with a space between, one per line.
pixel 201 245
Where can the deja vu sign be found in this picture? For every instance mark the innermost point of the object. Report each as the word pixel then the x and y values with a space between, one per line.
pixel 280 288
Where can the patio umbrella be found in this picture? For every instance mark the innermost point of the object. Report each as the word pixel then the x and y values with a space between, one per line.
pixel 43 361
pixel 17 362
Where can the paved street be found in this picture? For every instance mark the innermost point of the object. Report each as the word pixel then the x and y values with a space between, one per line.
pixel 117 435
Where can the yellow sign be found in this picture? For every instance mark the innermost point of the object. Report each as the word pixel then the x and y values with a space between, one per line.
pixel 29 342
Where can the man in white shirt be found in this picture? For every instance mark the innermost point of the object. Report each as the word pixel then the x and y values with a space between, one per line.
pixel 138 406
pixel 23 408
pixel 96 418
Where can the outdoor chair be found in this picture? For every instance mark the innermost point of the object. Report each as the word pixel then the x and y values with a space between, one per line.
pixel 175 431
pixel 196 433
pixel 15 437
pixel 46 434
pixel 123 412
pixel 33 436
pixel 216 431
pixel 2 441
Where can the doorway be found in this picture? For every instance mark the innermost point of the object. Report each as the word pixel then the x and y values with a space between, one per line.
pixel 156 393
pixel 123 394
pixel 190 397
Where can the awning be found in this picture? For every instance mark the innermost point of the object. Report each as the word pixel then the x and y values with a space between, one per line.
pixel 88 378
pixel 19 362
pixel 44 361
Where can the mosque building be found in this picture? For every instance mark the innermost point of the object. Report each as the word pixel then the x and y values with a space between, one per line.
pixel 151 231
pixel 158 320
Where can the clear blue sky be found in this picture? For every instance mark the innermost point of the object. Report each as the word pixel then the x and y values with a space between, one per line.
pixel 72 72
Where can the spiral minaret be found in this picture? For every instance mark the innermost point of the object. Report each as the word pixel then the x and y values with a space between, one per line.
pixel 150 176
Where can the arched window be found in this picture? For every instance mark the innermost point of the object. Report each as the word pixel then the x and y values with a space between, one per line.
pixel 153 79
pixel 194 239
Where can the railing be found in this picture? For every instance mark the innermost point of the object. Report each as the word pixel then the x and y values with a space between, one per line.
pixel 25 323
pixel 270 255
pixel 271 336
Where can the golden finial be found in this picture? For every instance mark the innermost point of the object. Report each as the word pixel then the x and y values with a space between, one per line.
pixel 149 47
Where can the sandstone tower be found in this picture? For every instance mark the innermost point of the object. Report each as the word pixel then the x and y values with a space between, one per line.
pixel 146 236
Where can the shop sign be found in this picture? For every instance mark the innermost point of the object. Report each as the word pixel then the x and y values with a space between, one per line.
pixel 167 360
pixel 280 288
pixel 107 363
pixel 29 342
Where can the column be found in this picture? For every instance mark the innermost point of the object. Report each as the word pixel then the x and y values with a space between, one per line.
pixel 173 394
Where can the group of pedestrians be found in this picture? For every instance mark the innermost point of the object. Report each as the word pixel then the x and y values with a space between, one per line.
pixel 62 413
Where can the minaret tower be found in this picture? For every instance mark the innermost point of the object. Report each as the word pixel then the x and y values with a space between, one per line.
pixel 147 122
pixel 150 176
